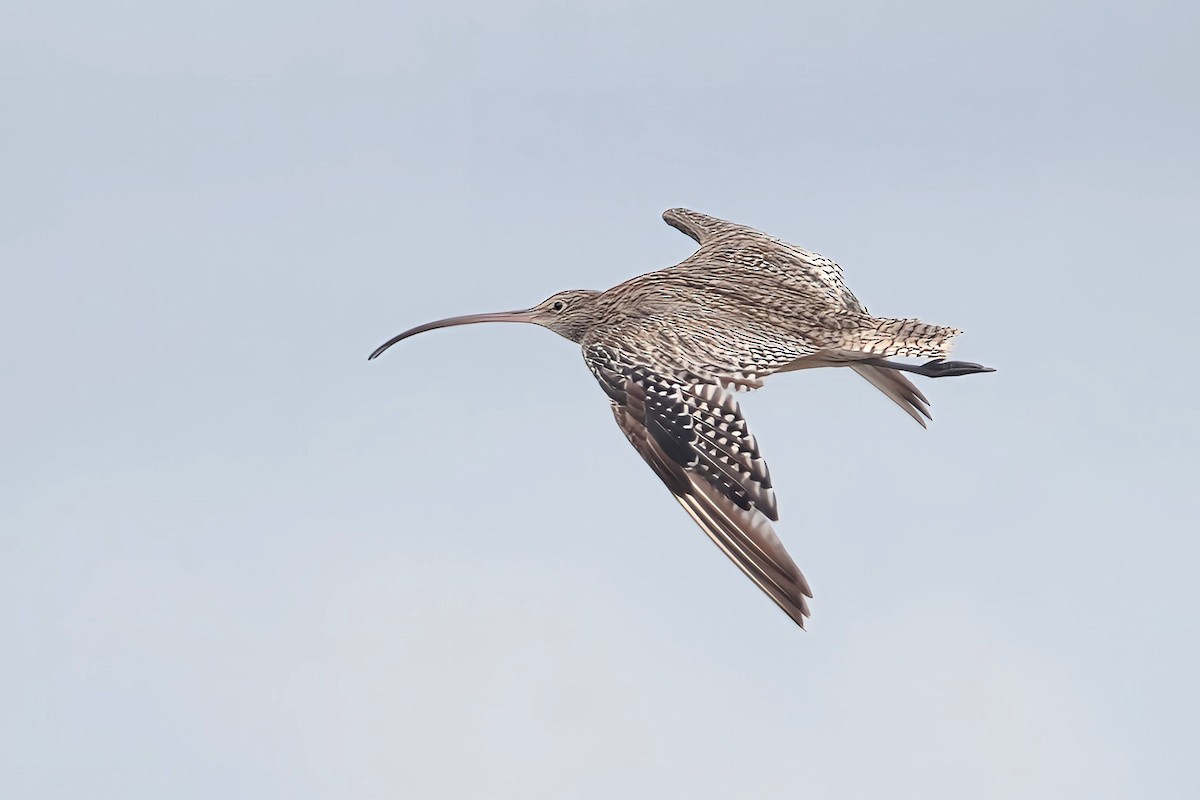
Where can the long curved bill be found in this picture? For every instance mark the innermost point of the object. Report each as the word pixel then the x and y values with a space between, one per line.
pixel 469 319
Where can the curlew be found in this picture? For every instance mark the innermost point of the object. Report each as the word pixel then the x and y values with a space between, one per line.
pixel 669 348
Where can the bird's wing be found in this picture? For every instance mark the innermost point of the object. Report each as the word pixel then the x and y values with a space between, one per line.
pixel 753 254
pixel 899 388
pixel 700 227
pixel 694 438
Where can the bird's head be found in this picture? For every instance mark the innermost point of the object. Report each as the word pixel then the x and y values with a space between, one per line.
pixel 568 313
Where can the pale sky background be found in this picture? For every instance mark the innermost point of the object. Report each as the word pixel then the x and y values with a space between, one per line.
pixel 237 560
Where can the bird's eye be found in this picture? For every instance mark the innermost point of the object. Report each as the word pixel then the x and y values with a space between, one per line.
pixel 559 305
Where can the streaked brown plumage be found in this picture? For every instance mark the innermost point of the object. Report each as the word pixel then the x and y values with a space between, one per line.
pixel 670 347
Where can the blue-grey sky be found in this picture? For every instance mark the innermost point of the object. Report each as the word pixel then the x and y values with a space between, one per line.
pixel 237 560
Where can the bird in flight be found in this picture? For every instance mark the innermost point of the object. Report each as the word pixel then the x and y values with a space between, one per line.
pixel 670 348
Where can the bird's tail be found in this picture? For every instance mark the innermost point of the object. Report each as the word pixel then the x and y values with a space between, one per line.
pixel 900 337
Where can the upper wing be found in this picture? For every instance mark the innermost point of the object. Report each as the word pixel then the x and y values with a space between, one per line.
pixel 694 438
pixel 756 256
pixel 700 227
pixel 820 280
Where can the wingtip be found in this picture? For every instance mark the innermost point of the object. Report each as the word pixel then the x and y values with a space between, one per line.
pixel 801 618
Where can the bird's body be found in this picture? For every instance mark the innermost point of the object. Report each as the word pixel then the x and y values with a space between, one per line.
pixel 669 347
